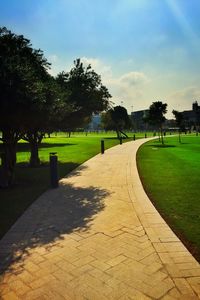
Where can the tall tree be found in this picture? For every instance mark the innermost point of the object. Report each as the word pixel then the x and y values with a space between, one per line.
pixel 155 116
pixel 43 116
pixel 22 70
pixel 117 119
pixel 85 94
pixel 179 122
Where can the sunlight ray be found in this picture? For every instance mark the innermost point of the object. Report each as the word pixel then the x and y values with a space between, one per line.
pixel 182 20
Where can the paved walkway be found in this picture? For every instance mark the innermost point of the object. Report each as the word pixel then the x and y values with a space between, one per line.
pixel 97 237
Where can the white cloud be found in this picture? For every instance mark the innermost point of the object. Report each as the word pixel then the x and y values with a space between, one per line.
pixel 53 58
pixel 127 88
pixel 98 66
pixel 187 93
pixel 55 64
pixel 133 79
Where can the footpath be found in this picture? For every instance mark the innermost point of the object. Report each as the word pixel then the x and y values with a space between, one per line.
pixel 97 237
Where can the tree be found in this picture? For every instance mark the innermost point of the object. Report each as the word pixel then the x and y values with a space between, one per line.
pixel 43 116
pixel 22 73
pixel 155 116
pixel 85 94
pixel 179 122
pixel 117 119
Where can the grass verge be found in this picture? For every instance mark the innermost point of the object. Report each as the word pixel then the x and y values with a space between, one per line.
pixel 170 176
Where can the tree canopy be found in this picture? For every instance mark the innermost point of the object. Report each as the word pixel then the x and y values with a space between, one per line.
pixel 85 94
pixel 179 121
pixel 33 102
pixel 116 119
pixel 155 116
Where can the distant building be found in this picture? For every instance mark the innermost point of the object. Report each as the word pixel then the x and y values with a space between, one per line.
pixel 170 125
pixel 192 117
pixel 95 123
pixel 138 121
pixel 137 118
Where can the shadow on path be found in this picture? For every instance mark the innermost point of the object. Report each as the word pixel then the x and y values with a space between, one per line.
pixel 54 214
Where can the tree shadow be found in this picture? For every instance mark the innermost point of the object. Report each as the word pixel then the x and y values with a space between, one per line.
pixel 22 147
pixel 73 169
pixel 109 138
pixel 54 214
pixel 115 138
pixel 161 146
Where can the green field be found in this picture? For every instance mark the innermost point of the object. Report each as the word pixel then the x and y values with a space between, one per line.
pixel 31 182
pixel 171 176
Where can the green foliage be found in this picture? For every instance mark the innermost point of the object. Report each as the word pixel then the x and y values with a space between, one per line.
pixel 116 119
pixel 155 115
pixel 25 95
pixel 22 73
pixel 32 102
pixel 85 94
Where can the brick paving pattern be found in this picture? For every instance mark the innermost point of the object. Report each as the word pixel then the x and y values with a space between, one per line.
pixel 97 237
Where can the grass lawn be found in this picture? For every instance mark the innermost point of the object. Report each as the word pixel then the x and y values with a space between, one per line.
pixel 32 182
pixel 171 178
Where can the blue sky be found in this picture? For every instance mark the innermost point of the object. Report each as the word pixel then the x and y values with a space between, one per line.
pixel 145 50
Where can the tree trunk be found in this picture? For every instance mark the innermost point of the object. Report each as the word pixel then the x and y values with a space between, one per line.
pixel 161 133
pixel 8 159
pixel 34 159
pixel 118 134
pixel 179 137
pixel 34 139
pixel 124 134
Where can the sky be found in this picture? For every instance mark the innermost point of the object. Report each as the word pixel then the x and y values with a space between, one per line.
pixel 144 50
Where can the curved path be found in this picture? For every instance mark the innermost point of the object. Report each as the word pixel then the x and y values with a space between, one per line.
pixel 97 237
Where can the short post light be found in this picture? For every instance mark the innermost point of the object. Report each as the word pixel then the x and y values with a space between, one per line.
pixel 53 163
pixel 102 147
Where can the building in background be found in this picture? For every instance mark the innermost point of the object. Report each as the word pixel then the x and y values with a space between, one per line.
pixel 192 117
pixel 139 124
pixel 95 123
pixel 138 120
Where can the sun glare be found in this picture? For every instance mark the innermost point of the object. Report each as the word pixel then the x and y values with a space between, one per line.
pixel 182 20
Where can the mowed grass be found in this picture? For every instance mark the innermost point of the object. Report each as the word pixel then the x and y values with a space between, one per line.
pixel 171 178
pixel 32 182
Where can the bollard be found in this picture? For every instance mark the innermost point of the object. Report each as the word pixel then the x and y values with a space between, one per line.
pixel 53 163
pixel 120 140
pixel 102 146
pixel 134 137
pixel 145 135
